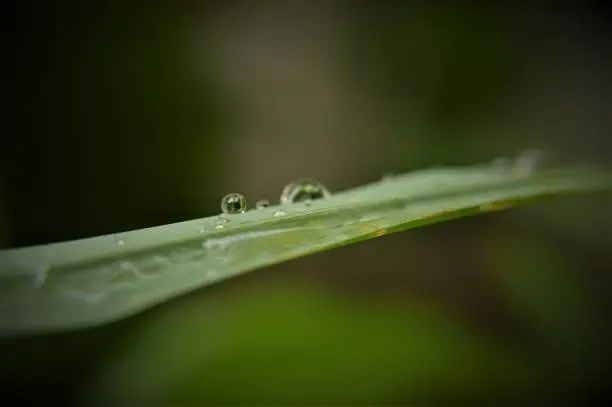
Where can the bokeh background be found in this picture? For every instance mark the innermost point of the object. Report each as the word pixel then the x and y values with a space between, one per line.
pixel 125 115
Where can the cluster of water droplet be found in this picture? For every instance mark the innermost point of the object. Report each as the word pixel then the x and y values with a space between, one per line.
pixel 303 190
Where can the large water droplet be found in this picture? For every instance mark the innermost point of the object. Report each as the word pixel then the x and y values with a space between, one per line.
pixel 306 189
pixel 262 203
pixel 233 203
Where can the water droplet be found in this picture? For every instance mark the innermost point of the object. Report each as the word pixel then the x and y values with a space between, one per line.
pixel 202 230
pixel 307 202
pixel 279 212
pixel 233 203
pixel 220 222
pixel 262 203
pixel 302 190
pixel 120 242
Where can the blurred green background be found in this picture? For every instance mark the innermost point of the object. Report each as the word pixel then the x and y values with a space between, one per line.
pixel 128 115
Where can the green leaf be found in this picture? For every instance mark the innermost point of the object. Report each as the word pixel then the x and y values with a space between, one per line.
pixel 97 280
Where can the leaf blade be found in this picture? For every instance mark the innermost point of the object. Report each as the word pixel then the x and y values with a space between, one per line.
pixel 93 281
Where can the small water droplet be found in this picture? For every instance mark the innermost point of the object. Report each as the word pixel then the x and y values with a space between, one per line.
pixel 220 222
pixel 302 190
pixel 279 212
pixel 202 230
pixel 262 203
pixel 233 203
pixel 120 242
pixel 307 202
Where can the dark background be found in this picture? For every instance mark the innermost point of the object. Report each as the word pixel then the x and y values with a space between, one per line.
pixel 125 115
